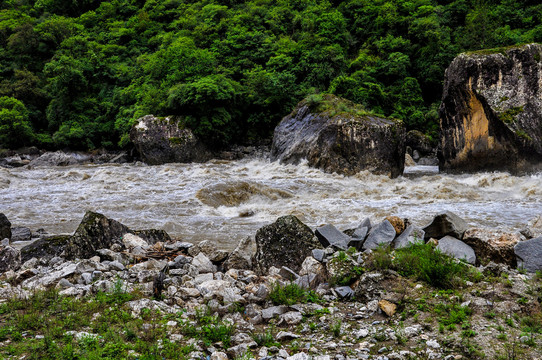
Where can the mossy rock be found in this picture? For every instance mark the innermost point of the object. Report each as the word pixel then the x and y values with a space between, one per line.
pixel 46 248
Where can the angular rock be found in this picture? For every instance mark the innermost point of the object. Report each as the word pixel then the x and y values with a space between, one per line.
pixel 341 269
pixel 5 227
pixel 329 235
pixel 529 254
pixel 132 241
pixel 457 249
pixel 241 256
pixel 10 259
pixel 344 292
pixel 411 235
pixel 381 234
pixel 284 335
pixel 309 281
pixel 292 317
pixel 312 266
pixel 164 140
pixel 360 233
pixel 20 234
pixel 45 248
pixel 493 245
pixel 533 228
pixel 286 242
pixel 94 232
pixel 203 264
pixel 273 311
pixel 288 273
pixel 491 111
pixel 318 254
pixel 153 236
pixel 210 250
pixel 387 307
pixel 446 223
pixel 340 141
pixel 58 158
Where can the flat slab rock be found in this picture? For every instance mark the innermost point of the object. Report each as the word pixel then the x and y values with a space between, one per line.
pixel 529 254
pixel 457 249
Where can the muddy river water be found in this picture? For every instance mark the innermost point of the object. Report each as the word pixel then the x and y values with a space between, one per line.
pixel 228 200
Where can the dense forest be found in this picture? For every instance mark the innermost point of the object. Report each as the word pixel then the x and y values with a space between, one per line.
pixel 78 73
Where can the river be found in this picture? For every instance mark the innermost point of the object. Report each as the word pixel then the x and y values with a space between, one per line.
pixel 228 200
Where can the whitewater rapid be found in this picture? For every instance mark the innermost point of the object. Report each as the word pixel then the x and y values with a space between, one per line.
pixel 225 201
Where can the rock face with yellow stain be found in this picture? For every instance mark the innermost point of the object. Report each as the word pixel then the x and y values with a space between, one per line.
pixel 491 111
pixel 337 135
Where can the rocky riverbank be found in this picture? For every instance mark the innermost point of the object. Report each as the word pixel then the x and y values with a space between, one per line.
pixel 380 291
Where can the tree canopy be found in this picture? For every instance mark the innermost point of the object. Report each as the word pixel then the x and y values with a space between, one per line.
pixel 78 73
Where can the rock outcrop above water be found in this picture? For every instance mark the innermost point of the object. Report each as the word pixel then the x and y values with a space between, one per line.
pixel 164 140
pixel 336 135
pixel 491 111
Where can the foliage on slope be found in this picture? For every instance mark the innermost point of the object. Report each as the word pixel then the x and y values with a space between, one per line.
pixel 84 70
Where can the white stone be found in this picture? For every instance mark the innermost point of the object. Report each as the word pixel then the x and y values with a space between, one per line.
pixel 218 355
pixel 433 344
pixel 132 241
pixel 298 356
pixel 203 264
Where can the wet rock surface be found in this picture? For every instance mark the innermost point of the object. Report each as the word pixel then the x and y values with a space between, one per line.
pixel 346 143
pixel 163 140
pixel 287 242
pixel 5 227
pixel 491 111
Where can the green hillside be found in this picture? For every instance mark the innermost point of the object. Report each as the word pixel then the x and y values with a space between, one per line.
pixel 77 73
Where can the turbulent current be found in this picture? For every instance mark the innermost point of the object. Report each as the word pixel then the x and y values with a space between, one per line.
pixel 228 200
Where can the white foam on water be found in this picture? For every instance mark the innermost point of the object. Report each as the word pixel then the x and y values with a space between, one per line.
pixel 165 197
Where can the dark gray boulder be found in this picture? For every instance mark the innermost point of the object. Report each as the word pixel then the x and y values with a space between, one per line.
pixel 491 111
pixel 20 234
pixel 5 227
pixel 411 235
pixel 457 249
pixel 329 235
pixel 529 254
pixel 94 232
pixel 381 234
pixel 10 259
pixel 45 248
pixel 444 224
pixel 286 242
pixel 164 140
pixel 336 135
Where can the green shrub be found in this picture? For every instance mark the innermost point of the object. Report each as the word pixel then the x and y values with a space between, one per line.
pixel 429 264
pixel 291 294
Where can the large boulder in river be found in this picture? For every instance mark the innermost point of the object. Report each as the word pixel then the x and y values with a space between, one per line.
pixel 164 140
pixel 337 135
pixel 286 242
pixel 491 111
pixel 94 232
pixel 5 227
